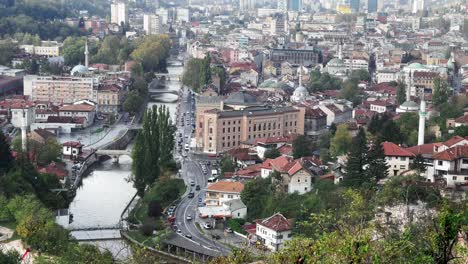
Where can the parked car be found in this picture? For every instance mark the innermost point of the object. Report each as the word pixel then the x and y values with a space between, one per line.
pixel 207 226
pixel 179 231
pixel 188 236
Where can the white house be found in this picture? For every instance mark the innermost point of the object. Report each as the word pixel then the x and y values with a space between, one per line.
pixel 295 177
pixel 452 165
pixel 274 231
pixel 83 111
pixel 222 191
pixel 397 158
pixel 72 149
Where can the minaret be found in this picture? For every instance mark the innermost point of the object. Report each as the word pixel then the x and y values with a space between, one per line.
pixel 24 137
pixel 340 51
pixel 422 122
pixel 300 75
pixel 86 53
pixel 408 89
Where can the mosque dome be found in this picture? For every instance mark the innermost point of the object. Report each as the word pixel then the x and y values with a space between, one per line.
pixel 79 70
pixel 336 62
pixel 300 94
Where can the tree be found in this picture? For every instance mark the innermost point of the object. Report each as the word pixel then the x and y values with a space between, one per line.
pixel 341 142
pixel 390 132
pixel 441 92
pixel 10 257
pixel 197 73
pixel 7 50
pixel 401 92
pixel 418 164
pixel 152 52
pixel 255 194
pixel 227 165
pixel 85 253
pixel 350 91
pixel 73 50
pixel 357 159
pixel 461 131
pixel 301 147
pixel 271 153
pixel 377 168
pixel 155 209
pixel 132 103
pixel 49 152
pixel 6 159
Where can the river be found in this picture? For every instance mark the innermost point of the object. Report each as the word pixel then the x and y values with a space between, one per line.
pixel 106 191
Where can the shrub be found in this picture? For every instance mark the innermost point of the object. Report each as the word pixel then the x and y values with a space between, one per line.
pixel 155 209
pixel 147 229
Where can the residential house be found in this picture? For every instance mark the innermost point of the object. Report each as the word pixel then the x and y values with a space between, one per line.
pixel 234 208
pixel 72 149
pixel 397 158
pixel 243 157
pixel 315 122
pixel 294 174
pixel 264 144
pixel 452 165
pixel 222 191
pixel 336 113
pixel 381 106
pixel 84 112
pixel 274 231
pixel 41 135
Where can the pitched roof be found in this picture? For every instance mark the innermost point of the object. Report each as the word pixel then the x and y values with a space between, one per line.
pixel 226 186
pixel 391 149
pixel 452 153
pixel 454 140
pixel 77 108
pixel 462 119
pixel 45 134
pixel 277 222
pixel 425 149
pixel 286 150
pixel 73 144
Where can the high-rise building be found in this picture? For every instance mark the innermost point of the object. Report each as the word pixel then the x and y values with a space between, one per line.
pixel 418 5
pixel 119 13
pixel 152 24
pixel 295 5
pixel 246 5
pixel 282 5
pixel 183 14
pixel 372 6
pixel 354 5
pixel 164 14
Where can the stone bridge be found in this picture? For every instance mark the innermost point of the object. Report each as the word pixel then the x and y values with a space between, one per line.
pixel 114 153
pixel 169 76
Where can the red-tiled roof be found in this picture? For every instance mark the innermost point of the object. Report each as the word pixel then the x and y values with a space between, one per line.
pixel 243 154
pixel 277 222
pixel 286 150
pixel 452 153
pixel 271 140
pixel 73 144
pixel 391 149
pixel 454 140
pixel 226 186
pixel 77 108
pixel 462 119
pixel 279 163
pixel 426 149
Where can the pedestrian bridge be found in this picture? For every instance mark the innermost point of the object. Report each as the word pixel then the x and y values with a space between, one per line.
pixel 114 152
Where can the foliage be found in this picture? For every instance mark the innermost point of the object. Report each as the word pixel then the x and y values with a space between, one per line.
pixel 441 92
pixel 7 50
pixel 43 154
pixel 341 142
pixel 301 147
pixel 147 229
pixel 152 52
pixel 271 153
pixel 418 164
pixel 255 195
pixel 155 209
pixel 85 253
pixel 197 73
pixel 377 168
pixel 408 126
pixel 238 256
pixel 221 73
pixel 132 103
pixel 6 159
pixel 236 225
pixel 323 81
pixel 140 86
pixel 461 131
pixel 385 129
pixel 401 92
pixel 152 152
pixel 360 75
pixel 227 165
pixel 113 50
pixel 357 159
pixel 73 50
pixel 10 257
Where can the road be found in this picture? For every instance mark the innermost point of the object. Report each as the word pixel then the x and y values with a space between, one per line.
pixel 191 171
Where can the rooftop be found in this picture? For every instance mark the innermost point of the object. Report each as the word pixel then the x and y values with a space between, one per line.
pixel 226 187
pixel 392 149
pixel 277 222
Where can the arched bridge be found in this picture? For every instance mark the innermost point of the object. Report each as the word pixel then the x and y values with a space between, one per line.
pixel 169 76
pixel 114 153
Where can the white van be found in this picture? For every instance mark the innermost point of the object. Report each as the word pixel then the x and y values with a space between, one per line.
pixel 212 179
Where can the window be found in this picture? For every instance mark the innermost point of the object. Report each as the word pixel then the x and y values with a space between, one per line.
pixel 211 130
pixel 229 130
pixel 224 130
pixel 230 196
pixel 466 178
pixel 439 163
pixel 403 158
pixel 298 179
pixel 454 178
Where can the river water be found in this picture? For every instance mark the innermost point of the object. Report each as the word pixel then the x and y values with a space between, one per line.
pixel 107 190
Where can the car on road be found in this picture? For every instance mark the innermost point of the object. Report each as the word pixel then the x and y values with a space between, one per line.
pixel 201 205
pixel 191 195
pixel 188 236
pixel 197 188
pixel 215 236
pixel 192 183
pixel 179 231
pixel 189 217
pixel 200 199
pixel 207 226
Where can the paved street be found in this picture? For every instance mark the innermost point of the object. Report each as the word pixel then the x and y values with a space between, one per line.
pixel 191 171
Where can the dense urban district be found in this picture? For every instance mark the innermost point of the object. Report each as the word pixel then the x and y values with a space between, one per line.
pixel 233 131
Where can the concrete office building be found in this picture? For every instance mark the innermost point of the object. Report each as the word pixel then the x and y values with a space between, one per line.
pixel 152 24
pixel 119 13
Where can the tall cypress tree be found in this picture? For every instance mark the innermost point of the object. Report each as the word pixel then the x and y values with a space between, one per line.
pixel 377 168
pixel 6 159
pixel 138 164
pixel 357 159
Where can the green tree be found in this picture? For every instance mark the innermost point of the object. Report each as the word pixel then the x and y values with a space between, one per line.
pixel 341 142
pixel 401 92
pixel 441 92
pixel 85 253
pixel 227 165
pixel 350 91
pixel 301 147
pixel 10 257
pixel 357 159
pixel 49 152
pixel 152 52
pixel 271 153
pixel 377 168
pixel 418 164
pixel 73 50
pixel 132 103
pixel 461 131
pixel 7 50
pixel 6 159
pixel 139 164
pixel 255 194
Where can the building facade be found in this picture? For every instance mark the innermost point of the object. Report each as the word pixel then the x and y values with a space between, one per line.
pixel 221 130
pixel 119 13
pixel 152 24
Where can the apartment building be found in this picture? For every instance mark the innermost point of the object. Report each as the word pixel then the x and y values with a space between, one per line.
pixel 152 24
pixel 119 13
pixel 274 231
pixel 60 90
pixel 47 48
pixel 222 191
